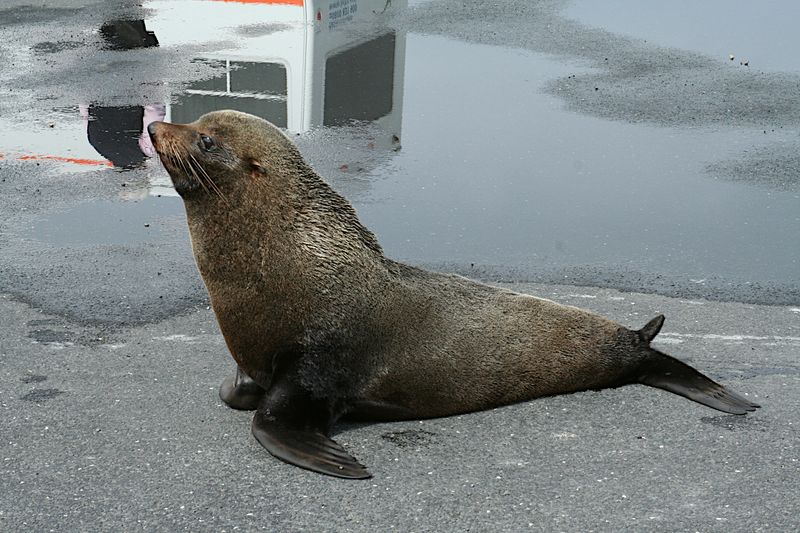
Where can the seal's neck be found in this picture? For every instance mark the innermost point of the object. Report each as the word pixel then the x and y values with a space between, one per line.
pixel 326 209
pixel 274 225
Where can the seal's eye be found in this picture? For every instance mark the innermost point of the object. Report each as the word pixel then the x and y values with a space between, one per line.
pixel 208 142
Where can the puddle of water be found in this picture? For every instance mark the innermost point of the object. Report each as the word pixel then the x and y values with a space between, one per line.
pixel 763 33
pixel 109 223
pixel 456 155
pixel 497 173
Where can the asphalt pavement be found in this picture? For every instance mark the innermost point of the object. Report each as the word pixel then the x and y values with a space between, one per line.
pixel 105 431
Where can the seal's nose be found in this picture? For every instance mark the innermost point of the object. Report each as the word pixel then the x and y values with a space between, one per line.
pixel 152 128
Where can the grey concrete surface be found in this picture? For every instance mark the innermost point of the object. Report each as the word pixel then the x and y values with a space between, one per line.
pixel 124 430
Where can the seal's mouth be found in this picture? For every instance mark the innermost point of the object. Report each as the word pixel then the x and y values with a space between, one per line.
pixel 173 144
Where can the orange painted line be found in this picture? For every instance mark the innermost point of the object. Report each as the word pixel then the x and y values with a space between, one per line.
pixel 77 161
pixel 273 2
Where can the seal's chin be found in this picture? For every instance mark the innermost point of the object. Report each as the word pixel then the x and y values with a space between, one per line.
pixel 183 183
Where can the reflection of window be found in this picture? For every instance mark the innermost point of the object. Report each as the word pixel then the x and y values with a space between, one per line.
pixel 252 87
pixel 359 81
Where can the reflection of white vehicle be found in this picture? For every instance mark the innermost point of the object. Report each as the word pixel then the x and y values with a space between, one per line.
pixel 299 63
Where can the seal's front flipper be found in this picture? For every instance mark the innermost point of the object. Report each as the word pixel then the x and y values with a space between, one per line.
pixel 307 449
pixel 292 425
pixel 665 372
pixel 241 392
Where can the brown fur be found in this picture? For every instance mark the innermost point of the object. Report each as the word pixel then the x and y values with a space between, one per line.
pixel 289 268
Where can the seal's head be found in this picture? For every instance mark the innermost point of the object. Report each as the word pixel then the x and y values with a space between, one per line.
pixel 214 156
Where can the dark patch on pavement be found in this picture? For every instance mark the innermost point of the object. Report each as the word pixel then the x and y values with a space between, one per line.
pixel 41 395
pixel 33 378
pixel 410 438
pixel 52 47
pixel 735 423
pixel 50 335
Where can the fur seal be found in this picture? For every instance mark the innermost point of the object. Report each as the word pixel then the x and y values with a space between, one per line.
pixel 321 324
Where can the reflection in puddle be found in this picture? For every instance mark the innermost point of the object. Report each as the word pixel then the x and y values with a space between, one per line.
pixel 118 133
pixel 115 133
pixel 110 223
pixel 322 64
pixel 304 65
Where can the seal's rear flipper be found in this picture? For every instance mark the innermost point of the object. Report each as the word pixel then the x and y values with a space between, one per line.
pixel 307 449
pixel 665 372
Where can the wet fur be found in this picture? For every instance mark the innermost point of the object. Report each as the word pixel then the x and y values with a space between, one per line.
pixel 295 279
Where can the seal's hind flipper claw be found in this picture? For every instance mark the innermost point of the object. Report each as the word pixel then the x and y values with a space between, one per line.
pixel 307 449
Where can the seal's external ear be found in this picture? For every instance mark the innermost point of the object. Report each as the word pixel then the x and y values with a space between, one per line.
pixel 651 329
pixel 257 169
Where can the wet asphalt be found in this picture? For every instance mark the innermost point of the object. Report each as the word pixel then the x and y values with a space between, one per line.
pixel 110 357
